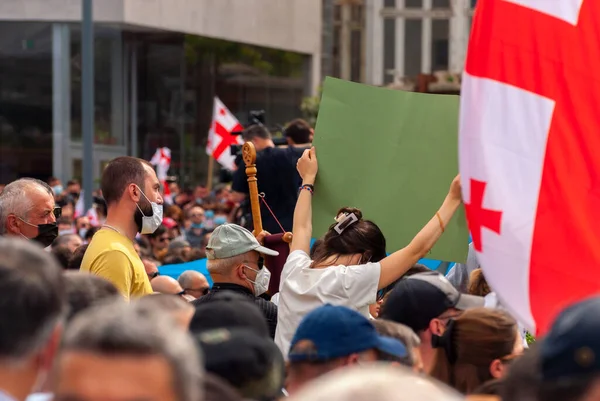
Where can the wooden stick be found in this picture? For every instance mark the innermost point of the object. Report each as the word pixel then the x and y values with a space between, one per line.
pixel 211 167
pixel 249 156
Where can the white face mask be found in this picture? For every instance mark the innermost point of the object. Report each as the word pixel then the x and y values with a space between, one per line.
pixel 65 232
pixel 151 223
pixel 261 283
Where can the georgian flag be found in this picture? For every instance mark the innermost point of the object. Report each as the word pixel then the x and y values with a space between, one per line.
pixel 219 136
pixel 529 152
pixel 162 161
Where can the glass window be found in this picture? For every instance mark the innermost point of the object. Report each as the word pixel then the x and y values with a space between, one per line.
pixel 439 45
pixel 413 48
pixel 413 3
pixel 357 13
pixel 108 89
pixel 441 4
pixel 389 45
pixel 389 3
pixel 337 68
pixel 356 55
pixel 25 100
pixel 160 95
pixel 337 12
pixel 178 77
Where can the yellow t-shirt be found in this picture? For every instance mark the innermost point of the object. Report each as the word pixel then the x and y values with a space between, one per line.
pixel 110 255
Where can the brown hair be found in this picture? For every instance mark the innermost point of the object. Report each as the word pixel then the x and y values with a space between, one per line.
pixel 362 237
pixel 174 212
pixel 478 284
pixel 469 346
pixel 118 174
pixel 298 131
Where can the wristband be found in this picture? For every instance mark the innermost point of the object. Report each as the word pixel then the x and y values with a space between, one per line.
pixel 442 226
pixel 308 187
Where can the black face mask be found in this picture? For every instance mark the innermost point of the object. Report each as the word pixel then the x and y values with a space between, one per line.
pixel 47 233
pixel 74 195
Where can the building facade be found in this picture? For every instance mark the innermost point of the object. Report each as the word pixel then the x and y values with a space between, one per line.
pixel 344 39
pixel 406 38
pixel 158 66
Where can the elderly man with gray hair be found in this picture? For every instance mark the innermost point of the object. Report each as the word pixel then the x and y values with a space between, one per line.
pixel 32 306
pixel 236 263
pixel 194 283
pixel 27 209
pixel 121 352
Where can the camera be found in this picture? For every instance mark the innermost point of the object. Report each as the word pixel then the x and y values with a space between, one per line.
pixel 255 117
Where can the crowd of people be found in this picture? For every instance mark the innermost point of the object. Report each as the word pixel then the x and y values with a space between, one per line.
pixel 88 316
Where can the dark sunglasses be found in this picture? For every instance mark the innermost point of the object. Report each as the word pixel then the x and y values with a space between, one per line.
pixel 380 295
pixel 155 274
pixel 203 291
pixel 57 211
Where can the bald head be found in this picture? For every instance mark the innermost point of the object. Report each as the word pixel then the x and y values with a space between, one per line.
pixel 150 267
pixel 166 285
pixel 28 199
pixel 68 241
pixel 375 382
pixel 194 283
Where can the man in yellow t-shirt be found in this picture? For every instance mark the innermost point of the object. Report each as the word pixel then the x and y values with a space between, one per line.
pixel 132 194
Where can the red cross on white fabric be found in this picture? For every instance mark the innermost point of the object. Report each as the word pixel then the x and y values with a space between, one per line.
pixel 220 137
pixel 544 54
pixel 479 217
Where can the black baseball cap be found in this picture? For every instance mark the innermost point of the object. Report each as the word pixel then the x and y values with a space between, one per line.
pixel 418 299
pixel 572 346
pixel 226 309
pixel 250 363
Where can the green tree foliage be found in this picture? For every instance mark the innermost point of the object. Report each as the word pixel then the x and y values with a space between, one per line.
pixel 268 61
pixel 310 108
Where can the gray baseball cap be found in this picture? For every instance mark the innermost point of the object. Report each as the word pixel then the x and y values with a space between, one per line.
pixel 229 240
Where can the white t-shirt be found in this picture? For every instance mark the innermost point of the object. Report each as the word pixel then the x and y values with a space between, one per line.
pixel 303 289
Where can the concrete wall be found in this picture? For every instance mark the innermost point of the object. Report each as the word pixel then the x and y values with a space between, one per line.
pixel 293 25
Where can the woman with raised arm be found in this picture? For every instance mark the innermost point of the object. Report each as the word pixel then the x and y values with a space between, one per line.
pixel 349 264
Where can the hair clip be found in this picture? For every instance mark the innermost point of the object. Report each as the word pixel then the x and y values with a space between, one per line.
pixel 344 221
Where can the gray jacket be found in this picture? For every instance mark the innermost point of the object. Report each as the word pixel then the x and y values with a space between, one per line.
pixel 460 272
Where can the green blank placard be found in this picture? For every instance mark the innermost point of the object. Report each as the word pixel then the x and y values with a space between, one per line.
pixel 393 154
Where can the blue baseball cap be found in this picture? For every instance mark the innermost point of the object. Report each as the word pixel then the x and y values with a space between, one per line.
pixel 337 331
pixel 572 346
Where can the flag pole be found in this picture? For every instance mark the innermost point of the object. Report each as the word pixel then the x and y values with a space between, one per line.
pixel 211 167
pixel 87 101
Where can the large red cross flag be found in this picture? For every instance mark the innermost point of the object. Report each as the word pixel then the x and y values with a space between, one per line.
pixel 530 152
pixel 219 136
